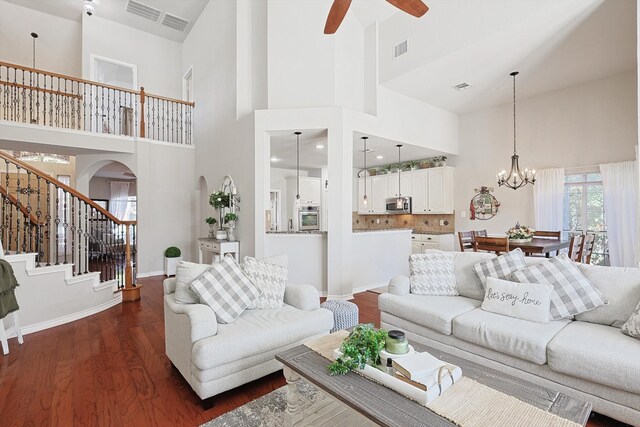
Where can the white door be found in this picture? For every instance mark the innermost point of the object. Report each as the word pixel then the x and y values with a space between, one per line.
pixel 379 191
pixel 362 208
pixel 419 191
pixel 435 190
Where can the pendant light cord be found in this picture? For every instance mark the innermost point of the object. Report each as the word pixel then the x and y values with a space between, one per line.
pixel 514 114
pixel 298 165
pixel 399 170
pixel 364 139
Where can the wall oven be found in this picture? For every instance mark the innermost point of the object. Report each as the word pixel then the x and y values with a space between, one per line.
pixel 309 218
pixel 398 205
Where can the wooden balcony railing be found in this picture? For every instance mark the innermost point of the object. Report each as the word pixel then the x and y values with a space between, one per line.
pixel 39 214
pixel 29 95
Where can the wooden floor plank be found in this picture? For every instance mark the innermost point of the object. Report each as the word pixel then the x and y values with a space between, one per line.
pixel 111 369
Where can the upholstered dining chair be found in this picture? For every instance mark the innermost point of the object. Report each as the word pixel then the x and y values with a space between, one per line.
pixel 492 244
pixel 576 245
pixel 466 240
pixel 587 247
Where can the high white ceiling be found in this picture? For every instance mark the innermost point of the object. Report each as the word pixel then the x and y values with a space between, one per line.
pixel 115 10
pixel 283 148
pixel 554 44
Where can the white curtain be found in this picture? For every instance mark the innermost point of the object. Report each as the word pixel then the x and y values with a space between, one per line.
pixel 620 187
pixel 548 199
pixel 119 198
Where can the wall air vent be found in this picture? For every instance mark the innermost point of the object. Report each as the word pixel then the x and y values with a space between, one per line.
pixel 174 22
pixel 461 86
pixel 400 49
pixel 143 10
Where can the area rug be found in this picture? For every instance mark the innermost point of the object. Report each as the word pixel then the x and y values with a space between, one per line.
pixel 268 410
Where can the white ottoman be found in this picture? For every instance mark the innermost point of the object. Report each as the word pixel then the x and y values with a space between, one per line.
pixel 345 314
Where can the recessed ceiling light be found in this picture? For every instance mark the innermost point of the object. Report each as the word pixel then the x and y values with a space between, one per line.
pixel 379 157
pixel 275 159
pixel 319 146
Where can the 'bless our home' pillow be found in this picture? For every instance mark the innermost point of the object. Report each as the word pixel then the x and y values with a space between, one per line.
pixel 527 301
pixel 270 279
pixel 432 273
pixel 500 267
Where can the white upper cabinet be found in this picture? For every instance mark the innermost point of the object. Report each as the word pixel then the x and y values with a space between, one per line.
pixel 431 191
pixel 405 184
pixel 310 189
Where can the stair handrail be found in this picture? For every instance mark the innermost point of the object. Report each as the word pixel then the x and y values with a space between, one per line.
pixel 65 187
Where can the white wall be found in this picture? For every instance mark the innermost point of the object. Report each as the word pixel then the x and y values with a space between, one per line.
pixel 58 47
pixel 159 60
pixel 583 125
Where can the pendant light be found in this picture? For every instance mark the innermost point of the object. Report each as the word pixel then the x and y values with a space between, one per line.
pixel 399 200
pixel 365 201
pixel 298 168
pixel 515 178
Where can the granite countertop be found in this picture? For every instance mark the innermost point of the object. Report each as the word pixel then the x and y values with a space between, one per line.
pixel 297 232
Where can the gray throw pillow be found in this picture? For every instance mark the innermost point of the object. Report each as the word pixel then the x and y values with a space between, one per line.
pixel 500 267
pixel 226 289
pixel 270 279
pixel 573 293
pixel 432 273
pixel 187 272
pixel 632 326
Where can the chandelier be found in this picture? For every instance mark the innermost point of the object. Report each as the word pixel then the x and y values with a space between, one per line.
pixel 515 178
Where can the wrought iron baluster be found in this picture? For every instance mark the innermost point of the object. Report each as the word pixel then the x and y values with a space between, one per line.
pixel 65 224
pixel 87 248
pixel 72 202
pixel 27 244
pixel 47 219
pixel 57 223
pixel 39 240
pixel 18 205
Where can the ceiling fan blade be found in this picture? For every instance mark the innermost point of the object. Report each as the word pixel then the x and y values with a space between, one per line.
pixel 336 15
pixel 413 7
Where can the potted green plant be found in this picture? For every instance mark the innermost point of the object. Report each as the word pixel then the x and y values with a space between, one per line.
pixel 220 201
pixel 425 164
pixel 230 219
pixel 413 164
pixel 362 347
pixel 383 170
pixel 172 257
pixel 212 223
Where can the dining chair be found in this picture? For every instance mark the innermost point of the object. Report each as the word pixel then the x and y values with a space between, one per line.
pixel 491 244
pixel 466 240
pixel 548 235
pixel 587 247
pixel 480 233
pixel 576 245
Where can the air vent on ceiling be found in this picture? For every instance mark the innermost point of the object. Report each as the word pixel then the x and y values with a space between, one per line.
pixel 461 86
pixel 174 22
pixel 400 49
pixel 143 10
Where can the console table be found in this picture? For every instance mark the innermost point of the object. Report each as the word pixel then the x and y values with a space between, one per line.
pixel 219 247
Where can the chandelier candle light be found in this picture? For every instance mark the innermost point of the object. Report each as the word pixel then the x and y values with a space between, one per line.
pixel 515 178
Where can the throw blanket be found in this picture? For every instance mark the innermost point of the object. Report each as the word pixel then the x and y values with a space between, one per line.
pixel 8 283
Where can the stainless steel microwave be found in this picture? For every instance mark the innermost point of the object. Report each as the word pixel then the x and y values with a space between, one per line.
pixel 309 218
pixel 398 205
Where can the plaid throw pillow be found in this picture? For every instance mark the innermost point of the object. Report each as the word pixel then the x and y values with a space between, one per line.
pixel 500 267
pixel 573 293
pixel 225 289
pixel 271 279
pixel 432 273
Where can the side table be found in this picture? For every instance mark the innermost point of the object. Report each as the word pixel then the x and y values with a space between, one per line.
pixel 219 247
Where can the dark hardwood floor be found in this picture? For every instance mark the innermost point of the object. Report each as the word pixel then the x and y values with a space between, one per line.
pixel 110 369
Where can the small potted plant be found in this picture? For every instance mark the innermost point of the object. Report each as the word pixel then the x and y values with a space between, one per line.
pixel 383 170
pixel 440 161
pixel 425 164
pixel 212 223
pixel 220 200
pixel 230 219
pixel 520 233
pixel 373 172
pixel 413 164
pixel 172 257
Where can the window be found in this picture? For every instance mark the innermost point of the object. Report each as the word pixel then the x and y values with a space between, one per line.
pixel 584 211
pixel 130 212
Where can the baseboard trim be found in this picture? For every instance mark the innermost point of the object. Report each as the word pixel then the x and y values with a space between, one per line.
pixel 339 297
pixel 150 274
pixel 369 287
pixel 117 299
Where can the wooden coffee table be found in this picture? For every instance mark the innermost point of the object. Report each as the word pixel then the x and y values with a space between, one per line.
pixel 385 407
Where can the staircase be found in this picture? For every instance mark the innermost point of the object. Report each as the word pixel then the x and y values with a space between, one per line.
pixel 72 258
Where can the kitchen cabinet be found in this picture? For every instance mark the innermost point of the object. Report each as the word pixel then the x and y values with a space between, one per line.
pixel 432 190
pixel 420 243
pixel 377 188
pixel 310 189
pixel 405 184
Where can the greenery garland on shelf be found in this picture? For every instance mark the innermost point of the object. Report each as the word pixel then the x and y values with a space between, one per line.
pixel 362 347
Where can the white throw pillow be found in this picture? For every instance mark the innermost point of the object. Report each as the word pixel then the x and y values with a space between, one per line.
pixel 226 289
pixel 269 278
pixel 432 273
pixel 187 272
pixel 530 301
pixel 500 267
pixel 573 293
pixel 632 326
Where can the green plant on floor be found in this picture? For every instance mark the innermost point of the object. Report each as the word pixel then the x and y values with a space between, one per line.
pixel 362 347
pixel 172 252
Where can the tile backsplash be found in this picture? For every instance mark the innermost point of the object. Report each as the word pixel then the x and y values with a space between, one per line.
pixel 421 223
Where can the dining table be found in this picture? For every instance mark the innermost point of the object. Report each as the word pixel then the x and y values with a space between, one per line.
pixel 541 245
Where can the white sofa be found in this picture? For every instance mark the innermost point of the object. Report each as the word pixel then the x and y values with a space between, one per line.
pixel 589 361
pixel 214 358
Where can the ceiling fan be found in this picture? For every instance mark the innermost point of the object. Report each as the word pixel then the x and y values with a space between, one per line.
pixel 339 9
